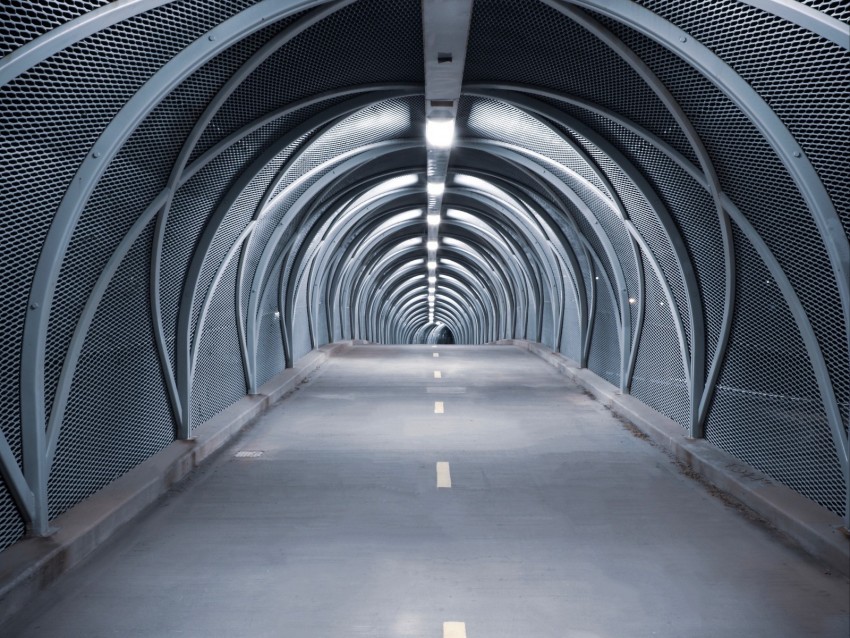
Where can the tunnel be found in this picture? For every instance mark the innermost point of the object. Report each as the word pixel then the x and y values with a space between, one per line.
pixel 199 196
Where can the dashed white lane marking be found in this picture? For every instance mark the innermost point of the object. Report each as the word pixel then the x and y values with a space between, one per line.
pixel 444 475
pixel 436 354
pixel 438 407
pixel 454 630
pixel 248 454
pixel 433 346
pixel 438 374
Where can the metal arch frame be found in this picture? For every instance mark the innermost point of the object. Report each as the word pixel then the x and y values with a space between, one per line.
pixel 383 263
pixel 342 233
pixel 554 217
pixel 518 156
pixel 805 16
pixel 693 297
pixel 326 229
pixel 485 303
pixel 332 168
pixel 54 248
pixel 811 343
pixel 510 153
pixel 771 127
pixel 184 370
pixel 560 245
pixel 524 246
pixel 270 201
pixel 102 284
pixel 483 260
pixel 507 300
pixel 697 365
pixel 535 240
pixel 706 179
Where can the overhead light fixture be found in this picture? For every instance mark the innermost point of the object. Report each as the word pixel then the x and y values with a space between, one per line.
pixel 435 189
pixel 432 265
pixel 430 297
pixel 434 220
pixel 432 290
pixel 440 133
pixel 432 245
pixel 432 280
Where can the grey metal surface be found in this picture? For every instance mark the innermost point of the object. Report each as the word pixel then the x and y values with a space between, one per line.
pixel 660 194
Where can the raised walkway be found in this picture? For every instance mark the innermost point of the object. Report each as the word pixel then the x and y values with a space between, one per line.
pixel 442 491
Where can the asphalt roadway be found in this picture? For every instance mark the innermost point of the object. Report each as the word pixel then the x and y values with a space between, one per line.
pixel 446 492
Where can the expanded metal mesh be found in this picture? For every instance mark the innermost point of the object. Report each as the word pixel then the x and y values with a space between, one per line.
pixel 22 21
pixel 549 50
pixel 118 412
pixel 803 77
pixel 604 355
pixel 12 526
pixel 219 379
pixel 755 179
pixel 767 410
pixel 659 376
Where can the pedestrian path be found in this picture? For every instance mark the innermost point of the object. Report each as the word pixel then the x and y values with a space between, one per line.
pixel 474 494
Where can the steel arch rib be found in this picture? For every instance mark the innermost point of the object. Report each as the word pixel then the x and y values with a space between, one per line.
pixel 81 186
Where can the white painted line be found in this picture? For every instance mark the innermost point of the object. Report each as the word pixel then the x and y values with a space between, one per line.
pixel 438 374
pixel 444 475
pixel 433 346
pixel 438 407
pixel 454 630
pixel 436 354
pixel 248 454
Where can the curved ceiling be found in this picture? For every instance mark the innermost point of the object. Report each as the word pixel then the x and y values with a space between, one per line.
pixel 197 193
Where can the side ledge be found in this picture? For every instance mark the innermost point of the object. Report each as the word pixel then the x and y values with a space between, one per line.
pixel 815 529
pixel 32 564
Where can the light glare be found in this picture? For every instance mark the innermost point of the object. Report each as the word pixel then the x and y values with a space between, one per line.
pixel 436 189
pixel 440 133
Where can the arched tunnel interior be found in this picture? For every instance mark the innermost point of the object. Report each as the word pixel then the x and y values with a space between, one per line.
pixel 198 193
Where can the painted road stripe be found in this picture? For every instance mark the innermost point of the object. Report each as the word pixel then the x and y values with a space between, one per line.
pixel 444 475
pixel 438 374
pixel 438 407
pixel 436 354
pixel 454 630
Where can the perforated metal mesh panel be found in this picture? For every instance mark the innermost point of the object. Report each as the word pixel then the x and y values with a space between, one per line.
pixel 117 419
pixel 22 21
pixel 755 179
pixel 12 526
pixel 604 355
pixel 659 377
pixel 804 78
pixel 219 378
pixel 549 50
pixel 767 410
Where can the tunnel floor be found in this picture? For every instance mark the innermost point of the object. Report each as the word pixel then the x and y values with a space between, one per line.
pixel 325 520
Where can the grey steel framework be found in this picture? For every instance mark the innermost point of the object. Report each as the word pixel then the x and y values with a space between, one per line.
pixel 196 193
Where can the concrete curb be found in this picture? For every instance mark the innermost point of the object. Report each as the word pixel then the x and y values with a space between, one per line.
pixel 808 524
pixel 33 564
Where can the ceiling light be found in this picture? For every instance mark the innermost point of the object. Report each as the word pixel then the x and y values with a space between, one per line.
pixel 432 280
pixel 432 265
pixel 440 133
pixel 432 245
pixel 430 297
pixel 435 189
